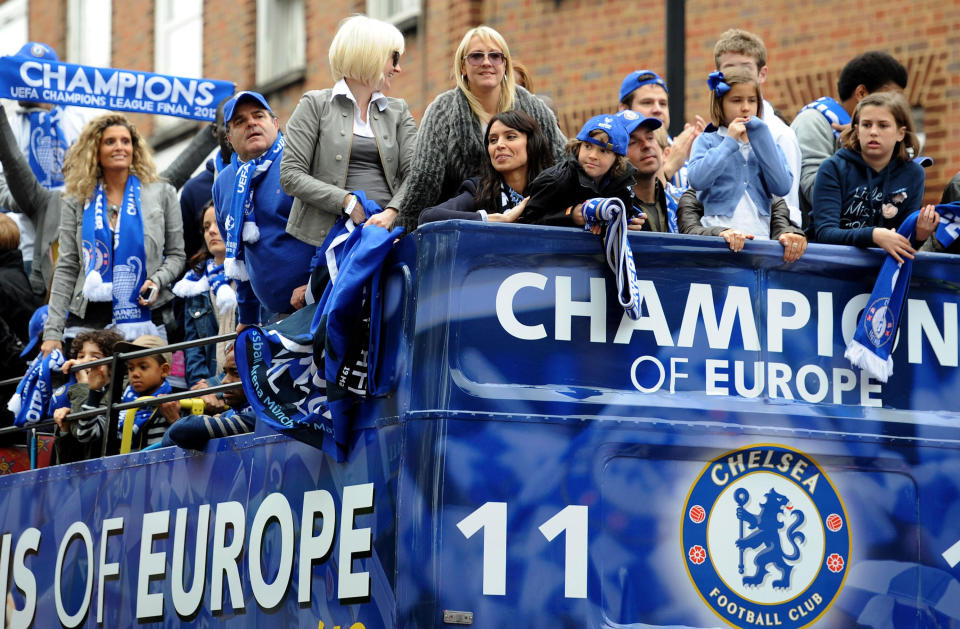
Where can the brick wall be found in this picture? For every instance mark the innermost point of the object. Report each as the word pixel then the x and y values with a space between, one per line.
pixel 578 51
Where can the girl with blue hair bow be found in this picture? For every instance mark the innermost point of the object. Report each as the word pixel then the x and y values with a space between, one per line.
pixel 739 171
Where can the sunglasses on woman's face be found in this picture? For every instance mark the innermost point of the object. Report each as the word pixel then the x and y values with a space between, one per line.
pixel 396 58
pixel 476 58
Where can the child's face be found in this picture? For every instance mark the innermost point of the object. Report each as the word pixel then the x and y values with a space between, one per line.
pixel 739 102
pixel 90 351
pixel 146 374
pixel 595 160
pixel 211 233
pixel 236 398
pixel 878 133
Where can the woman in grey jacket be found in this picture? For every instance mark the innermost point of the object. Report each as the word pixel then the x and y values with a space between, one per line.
pixel 121 235
pixel 350 137
pixel 450 145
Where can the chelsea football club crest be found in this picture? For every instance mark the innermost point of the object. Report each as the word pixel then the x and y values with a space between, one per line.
pixel 766 539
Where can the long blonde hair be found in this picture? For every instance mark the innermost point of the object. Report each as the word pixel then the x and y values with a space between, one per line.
pixel 81 165
pixel 508 86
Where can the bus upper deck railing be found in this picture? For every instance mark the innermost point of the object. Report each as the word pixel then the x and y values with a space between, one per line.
pixel 111 439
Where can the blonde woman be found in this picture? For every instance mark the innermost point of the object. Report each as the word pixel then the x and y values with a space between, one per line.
pixel 121 236
pixel 350 137
pixel 450 145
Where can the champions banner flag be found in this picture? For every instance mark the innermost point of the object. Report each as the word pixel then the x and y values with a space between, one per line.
pixel 46 81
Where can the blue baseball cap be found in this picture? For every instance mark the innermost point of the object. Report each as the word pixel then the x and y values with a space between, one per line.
pixel 639 78
pixel 37 320
pixel 38 50
pixel 619 138
pixel 631 120
pixel 239 96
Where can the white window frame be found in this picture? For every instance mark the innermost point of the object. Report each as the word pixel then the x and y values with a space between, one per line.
pixel 164 61
pixel 13 26
pixel 401 13
pixel 275 32
pixel 79 31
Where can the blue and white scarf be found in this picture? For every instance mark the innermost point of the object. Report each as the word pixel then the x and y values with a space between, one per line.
pixel 47 146
pixel 619 256
pixel 831 110
pixel 509 198
pixel 213 279
pixel 322 359
pixel 144 413
pixel 240 220
pixel 872 343
pixel 115 265
pixel 672 194
pixel 29 404
pixel 60 397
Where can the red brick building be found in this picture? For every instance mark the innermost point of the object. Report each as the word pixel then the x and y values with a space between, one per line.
pixel 577 51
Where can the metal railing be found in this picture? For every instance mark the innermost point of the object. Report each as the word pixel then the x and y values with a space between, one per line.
pixel 113 406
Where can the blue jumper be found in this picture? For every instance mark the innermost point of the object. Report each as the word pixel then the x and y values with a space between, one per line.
pixel 718 170
pixel 849 196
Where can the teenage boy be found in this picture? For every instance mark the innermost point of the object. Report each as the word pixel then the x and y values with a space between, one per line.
pixel 737 48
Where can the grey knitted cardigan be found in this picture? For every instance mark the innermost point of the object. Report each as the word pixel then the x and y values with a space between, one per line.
pixel 450 148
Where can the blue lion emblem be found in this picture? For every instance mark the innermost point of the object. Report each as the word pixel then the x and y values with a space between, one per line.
pixel 766 536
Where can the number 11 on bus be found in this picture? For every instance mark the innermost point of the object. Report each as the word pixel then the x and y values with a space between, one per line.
pixel 492 518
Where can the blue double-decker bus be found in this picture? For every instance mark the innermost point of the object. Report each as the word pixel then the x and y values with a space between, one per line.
pixel 533 457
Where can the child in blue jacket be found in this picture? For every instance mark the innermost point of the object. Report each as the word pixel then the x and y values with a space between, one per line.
pixel 864 191
pixel 736 166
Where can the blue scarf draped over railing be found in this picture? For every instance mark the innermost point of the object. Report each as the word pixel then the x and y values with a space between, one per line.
pixel 872 343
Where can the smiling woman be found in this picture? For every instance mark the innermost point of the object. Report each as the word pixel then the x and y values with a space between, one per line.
pixel 121 236
pixel 517 152
pixel 450 145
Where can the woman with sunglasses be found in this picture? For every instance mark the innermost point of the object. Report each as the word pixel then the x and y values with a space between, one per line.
pixel 451 146
pixel 350 137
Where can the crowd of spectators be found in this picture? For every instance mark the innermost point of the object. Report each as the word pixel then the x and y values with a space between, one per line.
pixel 137 267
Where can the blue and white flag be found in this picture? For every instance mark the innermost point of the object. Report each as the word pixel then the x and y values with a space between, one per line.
pixel 304 375
pixel 47 146
pixel 872 343
pixel 36 80
pixel 29 404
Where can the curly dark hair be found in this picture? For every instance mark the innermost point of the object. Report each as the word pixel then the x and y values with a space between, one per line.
pixel 539 157
pixel 104 339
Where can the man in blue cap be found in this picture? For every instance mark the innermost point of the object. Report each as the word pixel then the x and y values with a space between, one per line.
pixel 252 213
pixel 645 92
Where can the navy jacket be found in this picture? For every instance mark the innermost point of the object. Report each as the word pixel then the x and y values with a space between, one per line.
pixel 849 196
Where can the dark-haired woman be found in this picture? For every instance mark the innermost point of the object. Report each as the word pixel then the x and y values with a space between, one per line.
pixel 518 151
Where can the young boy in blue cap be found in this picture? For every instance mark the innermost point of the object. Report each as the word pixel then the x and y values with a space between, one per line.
pixel 595 166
